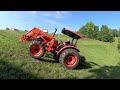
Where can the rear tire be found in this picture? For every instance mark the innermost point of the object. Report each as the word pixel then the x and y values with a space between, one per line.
pixel 36 50
pixel 69 58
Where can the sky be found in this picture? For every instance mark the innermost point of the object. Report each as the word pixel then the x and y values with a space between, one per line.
pixel 72 20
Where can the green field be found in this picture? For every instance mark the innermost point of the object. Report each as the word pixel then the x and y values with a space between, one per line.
pixel 102 60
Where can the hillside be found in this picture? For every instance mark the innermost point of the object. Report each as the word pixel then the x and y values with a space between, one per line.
pixel 102 60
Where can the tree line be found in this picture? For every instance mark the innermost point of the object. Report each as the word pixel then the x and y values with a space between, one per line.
pixel 90 30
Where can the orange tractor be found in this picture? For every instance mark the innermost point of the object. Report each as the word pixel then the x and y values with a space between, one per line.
pixel 66 53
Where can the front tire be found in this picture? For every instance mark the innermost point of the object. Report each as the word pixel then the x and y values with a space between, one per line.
pixel 69 58
pixel 36 50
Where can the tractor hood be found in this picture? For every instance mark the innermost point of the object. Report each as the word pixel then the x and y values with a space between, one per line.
pixel 71 33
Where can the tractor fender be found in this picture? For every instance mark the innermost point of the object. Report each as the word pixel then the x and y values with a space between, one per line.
pixel 66 47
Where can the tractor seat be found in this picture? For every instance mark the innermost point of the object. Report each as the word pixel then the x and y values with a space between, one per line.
pixel 64 44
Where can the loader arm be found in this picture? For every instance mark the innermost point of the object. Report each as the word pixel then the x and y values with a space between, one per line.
pixel 33 34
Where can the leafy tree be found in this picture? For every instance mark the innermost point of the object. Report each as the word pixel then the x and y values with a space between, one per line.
pixel 7 29
pixel 119 33
pixel 90 30
pixel 115 32
pixel 118 44
pixel 96 32
pixel 82 30
pixel 105 34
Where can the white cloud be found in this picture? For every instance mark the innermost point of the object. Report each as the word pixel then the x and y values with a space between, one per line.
pixel 56 23
pixel 57 14
pixel 52 14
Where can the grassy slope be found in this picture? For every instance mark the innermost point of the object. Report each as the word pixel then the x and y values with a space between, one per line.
pixel 102 60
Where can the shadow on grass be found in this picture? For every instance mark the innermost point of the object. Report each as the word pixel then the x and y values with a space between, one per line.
pixel 48 55
pixel 11 71
pixel 105 72
pixel 82 65
pixel 85 65
pixel 49 60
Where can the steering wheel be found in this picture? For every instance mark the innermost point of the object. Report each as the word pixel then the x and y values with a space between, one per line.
pixel 55 32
